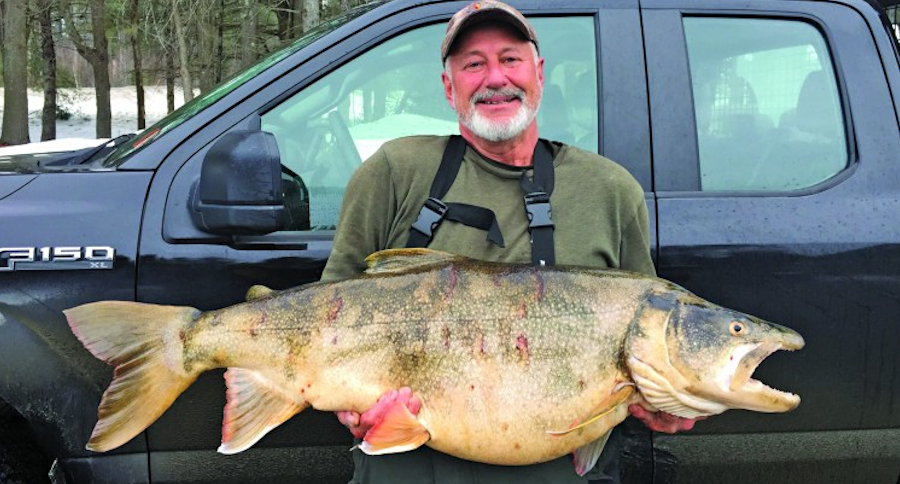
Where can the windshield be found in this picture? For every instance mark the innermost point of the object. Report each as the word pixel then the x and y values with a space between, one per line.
pixel 206 99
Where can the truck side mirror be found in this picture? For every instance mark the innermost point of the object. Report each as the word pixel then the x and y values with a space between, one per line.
pixel 240 190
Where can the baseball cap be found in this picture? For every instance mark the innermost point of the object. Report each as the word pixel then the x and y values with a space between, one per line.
pixel 478 12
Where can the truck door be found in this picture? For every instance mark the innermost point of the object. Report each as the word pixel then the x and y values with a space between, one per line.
pixel 775 169
pixel 329 107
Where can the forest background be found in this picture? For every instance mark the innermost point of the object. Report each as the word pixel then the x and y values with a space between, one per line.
pixel 59 48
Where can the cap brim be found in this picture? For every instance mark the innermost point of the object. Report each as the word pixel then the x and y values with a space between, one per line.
pixel 482 16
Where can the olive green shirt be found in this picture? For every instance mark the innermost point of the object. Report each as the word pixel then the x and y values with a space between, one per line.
pixel 600 219
pixel 598 209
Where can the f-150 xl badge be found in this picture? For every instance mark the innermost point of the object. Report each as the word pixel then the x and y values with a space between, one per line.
pixel 56 258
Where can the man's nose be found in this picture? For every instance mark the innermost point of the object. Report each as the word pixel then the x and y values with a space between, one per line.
pixel 496 76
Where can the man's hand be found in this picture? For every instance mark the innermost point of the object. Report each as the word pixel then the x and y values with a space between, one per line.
pixel 359 424
pixel 662 421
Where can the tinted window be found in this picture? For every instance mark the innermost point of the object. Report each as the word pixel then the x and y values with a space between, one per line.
pixel 767 107
pixel 328 129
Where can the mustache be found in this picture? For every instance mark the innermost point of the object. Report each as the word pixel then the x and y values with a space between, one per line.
pixel 507 91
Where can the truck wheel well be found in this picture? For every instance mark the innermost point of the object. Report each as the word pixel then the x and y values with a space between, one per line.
pixel 21 460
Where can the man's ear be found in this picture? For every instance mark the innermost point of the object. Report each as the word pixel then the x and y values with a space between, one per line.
pixel 448 88
pixel 540 70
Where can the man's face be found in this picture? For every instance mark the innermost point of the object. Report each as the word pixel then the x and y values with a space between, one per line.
pixel 493 80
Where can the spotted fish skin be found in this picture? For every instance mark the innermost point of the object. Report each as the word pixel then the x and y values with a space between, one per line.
pixel 514 364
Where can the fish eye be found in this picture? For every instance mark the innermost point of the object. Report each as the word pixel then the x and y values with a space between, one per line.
pixel 737 328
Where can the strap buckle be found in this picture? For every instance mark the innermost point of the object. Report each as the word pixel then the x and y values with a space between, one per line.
pixel 537 208
pixel 430 216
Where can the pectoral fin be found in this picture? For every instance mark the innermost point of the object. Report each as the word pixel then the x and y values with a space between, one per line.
pixel 399 431
pixel 606 406
pixel 585 457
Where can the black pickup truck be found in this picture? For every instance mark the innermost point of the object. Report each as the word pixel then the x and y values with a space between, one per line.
pixel 764 132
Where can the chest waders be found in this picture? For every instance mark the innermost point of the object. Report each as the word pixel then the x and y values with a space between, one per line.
pixel 536 200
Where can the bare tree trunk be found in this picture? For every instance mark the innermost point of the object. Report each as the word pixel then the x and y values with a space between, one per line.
pixel 207 17
pixel 187 83
pixel 283 14
pixel 48 52
pixel 102 90
pixel 296 18
pixel 101 68
pixel 249 32
pixel 220 43
pixel 310 14
pixel 138 71
pixel 15 73
pixel 170 82
pixel 97 56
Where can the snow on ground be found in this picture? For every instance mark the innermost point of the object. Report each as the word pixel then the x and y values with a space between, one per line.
pixel 82 106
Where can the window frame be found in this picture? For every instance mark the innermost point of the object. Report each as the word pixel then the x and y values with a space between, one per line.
pixel 675 144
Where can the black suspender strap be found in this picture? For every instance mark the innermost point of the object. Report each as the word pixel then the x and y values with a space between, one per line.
pixel 450 163
pixel 435 211
pixel 537 206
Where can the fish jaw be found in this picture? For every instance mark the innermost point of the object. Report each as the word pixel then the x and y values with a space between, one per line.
pixel 691 358
pixel 671 392
pixel 647 358
pixel 748 393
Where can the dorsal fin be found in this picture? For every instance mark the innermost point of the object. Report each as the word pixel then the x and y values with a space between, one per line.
pixel 400 260
pixel 258 292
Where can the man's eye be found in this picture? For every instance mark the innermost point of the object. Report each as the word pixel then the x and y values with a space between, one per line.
pixel 473 65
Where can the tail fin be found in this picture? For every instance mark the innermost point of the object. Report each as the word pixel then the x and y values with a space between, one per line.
pixel 138 339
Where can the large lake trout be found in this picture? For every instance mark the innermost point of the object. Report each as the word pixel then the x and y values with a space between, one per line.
pixel 513 364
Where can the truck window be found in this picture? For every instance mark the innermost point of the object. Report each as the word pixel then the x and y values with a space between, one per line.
pixel 325 131
pixel 767 106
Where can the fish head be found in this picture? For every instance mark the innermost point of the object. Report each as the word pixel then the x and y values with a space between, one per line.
pixel 692 358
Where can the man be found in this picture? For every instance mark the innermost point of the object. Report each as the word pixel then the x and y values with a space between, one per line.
pixel 479 196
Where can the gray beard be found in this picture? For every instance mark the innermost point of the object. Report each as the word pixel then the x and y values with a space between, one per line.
pixel 492 130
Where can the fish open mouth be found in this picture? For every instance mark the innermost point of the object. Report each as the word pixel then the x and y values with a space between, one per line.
pixel 751 394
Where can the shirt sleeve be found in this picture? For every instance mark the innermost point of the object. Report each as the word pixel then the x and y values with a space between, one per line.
pixel 634 251
pixel 363 226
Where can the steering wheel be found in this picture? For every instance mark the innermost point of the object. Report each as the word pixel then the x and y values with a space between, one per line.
pixel 350 159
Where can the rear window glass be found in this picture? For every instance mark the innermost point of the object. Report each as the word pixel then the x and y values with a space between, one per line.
pixel 767 106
